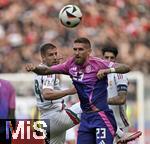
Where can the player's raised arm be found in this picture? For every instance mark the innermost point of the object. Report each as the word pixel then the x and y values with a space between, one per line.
pixel 120 68
pixel 40 70
pixel 117 68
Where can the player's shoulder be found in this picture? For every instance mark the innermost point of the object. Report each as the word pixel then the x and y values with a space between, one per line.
pixel 70 60
pixel 111 75
pixel 39 77
pixel 5 82
pixel 95 60
pixel 92 58
pixel 99 60
pixel 120 76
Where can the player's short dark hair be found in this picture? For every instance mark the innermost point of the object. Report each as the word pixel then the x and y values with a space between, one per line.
pixel 45 47
pixel 110 48
pixel 83 40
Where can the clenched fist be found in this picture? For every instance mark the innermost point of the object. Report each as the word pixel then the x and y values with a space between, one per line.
pixel 30 67
pixel 103 73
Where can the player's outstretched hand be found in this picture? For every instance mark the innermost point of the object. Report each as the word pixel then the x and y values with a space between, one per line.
pixel 30 67
pixel 103 73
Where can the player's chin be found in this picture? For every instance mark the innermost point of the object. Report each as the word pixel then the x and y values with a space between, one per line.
pixel 78 61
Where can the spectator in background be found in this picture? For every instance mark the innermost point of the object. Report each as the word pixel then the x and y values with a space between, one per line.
pixel 7 110
pixel 26 24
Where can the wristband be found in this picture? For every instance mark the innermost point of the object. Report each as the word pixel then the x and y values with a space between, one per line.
pixel 112 70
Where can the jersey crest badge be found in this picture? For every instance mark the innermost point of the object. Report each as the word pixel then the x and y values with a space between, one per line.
pixel 88 69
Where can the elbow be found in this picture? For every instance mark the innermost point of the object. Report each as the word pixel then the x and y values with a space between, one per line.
pixel 49 98
pixel 128 68
pixel 46 97
pixel 125 68
pixel 122 102
pixel 122 97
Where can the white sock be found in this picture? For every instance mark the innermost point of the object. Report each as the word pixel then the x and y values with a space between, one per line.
pixel 119 132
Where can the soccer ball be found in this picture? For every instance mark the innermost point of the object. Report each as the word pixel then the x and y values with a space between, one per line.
pixel 70 16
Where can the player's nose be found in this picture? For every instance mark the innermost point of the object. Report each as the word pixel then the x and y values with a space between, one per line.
pixel 55 57
pixel 109 59
pixel 77 52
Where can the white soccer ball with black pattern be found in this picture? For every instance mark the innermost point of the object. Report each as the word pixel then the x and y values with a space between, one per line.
pixel 70 16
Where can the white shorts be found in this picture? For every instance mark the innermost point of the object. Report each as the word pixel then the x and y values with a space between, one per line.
pixel 71 134
pixel 60 121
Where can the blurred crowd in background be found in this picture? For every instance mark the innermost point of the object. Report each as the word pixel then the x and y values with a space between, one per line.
pixel 25 24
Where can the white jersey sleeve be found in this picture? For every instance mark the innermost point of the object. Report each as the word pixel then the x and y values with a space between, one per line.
pixel 116 83
pixel 121 82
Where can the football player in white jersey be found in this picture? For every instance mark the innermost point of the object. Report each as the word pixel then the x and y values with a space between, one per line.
pixel 50 102
pixel 117 93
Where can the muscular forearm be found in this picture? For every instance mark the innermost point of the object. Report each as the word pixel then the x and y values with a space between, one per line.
pixel 114 101
pixel 121 68
pixel 119 99
pixel 42 70
pixel 56 94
